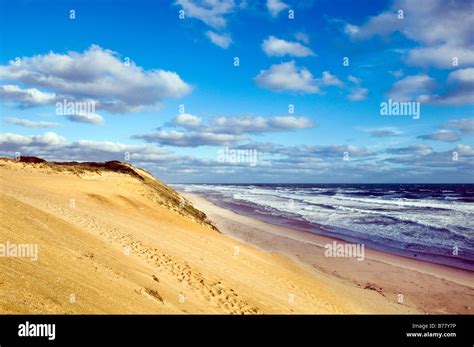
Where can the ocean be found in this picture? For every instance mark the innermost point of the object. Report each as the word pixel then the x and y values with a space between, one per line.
pixel 433 222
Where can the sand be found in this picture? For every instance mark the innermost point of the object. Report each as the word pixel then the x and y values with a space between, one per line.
pixel 122 242
pixel 426 287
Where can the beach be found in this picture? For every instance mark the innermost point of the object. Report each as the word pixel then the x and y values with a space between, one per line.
pixel 112 239
pixel 426 287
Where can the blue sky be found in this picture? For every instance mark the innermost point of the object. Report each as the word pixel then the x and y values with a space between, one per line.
pixel 290 53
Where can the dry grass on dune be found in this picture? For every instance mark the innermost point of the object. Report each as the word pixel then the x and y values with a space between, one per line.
pixel 113 239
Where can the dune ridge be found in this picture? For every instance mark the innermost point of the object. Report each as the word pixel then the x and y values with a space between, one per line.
pixel 113 239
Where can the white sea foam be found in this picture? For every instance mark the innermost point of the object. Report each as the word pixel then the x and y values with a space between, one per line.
pixel 428 222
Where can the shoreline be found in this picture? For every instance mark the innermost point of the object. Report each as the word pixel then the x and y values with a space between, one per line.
pixel 339 234
pixel 320 230
pixel 426 287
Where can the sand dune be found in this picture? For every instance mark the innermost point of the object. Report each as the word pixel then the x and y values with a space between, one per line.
pixel 112 239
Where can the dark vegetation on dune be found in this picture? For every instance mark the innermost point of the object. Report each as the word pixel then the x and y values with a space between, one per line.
pixel 165 195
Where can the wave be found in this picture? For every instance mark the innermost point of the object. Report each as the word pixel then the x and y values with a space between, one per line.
pixel 383 216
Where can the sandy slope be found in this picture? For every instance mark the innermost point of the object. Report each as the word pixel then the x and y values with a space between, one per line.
pixel 130 245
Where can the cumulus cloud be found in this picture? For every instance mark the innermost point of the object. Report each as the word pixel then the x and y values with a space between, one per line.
pixel 441 135
pixel 465 150
pixel 329 79
pixel 211 12
pixel 221 40
pixel 397 73
pixel 275 7
pixel 421 87
pixel 221 130
pixel 15 141
pixel 413 88
pixel 96 74
pixel 442 56
pixel 289 122
pixel 190 138
pixel 357 92
pixel 24 98
pixel 52 146
pixel 91 118
pixel 460 88
pixel 291 78
pixel 384 132
pixel 323 151
pixel 287 77
pixel 303 37
pixel 107 150
pixel 187 120
pixel 261 147
pixel 413 149
pixel 276 47
pixel 29 123
pixel 426 160
pixel 249 124
pixel 443 28
pixel 465 125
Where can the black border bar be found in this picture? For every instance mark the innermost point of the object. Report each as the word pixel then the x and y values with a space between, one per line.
pixel 232 329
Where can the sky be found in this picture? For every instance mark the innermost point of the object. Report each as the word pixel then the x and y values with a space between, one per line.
pixel 235 91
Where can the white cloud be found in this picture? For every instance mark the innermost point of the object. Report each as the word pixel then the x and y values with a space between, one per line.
pixel 329 79
pixel 442 56
pixel 287 77
pixel 459 91
pixel 465 150
pixel 91 118
pixel 397 73
pixel 290 122
pixel 384 132
pixel 222 130
pixel 47 139
pixel 97 74
pixel 275 7
pixel 413 88
pixel 52 146
pixel 441 135
pixel 211 12
pixel 221 40
pixel 29 123
pixel 354 79
pixel 303 37
pixel 187 120
pixel 465 125
pixel 249 124
pixel 382 24
pixel 358 94
pixel 323 151
pixel 190 139
pixel 443 28
pixel 460 88
pixel 418 149
pixel 274 46
pixel 29 97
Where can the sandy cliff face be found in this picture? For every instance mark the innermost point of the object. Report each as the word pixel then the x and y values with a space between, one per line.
pixel 113 239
